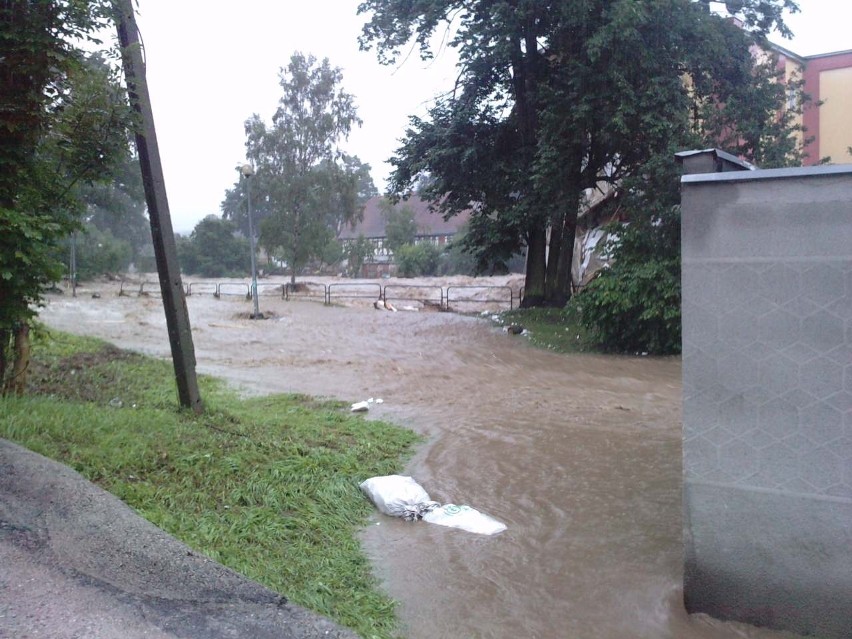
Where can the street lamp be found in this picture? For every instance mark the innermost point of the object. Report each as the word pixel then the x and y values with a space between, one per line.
pixel 247 170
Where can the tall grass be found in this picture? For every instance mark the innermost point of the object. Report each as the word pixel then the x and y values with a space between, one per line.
pixel 267 486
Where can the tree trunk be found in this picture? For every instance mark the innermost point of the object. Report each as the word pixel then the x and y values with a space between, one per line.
pixel 553 252
pixel 536 272
pixel 563 286
pixel 18 381
pixel 559 285
pixel 4 348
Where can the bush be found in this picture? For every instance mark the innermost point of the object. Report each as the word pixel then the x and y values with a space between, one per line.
pixel 418 260
pixel 214 250
pixel 99 252
pixel 635 307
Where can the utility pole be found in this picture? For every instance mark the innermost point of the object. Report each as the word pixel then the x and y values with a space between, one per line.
pixel 174 302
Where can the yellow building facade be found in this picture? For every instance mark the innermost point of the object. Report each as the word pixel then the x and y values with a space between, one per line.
pixel 828 118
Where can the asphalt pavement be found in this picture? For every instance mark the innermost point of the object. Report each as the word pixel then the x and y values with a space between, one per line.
pixel 77 563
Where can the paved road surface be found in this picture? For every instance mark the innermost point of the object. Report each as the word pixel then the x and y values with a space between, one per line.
pixel 76 562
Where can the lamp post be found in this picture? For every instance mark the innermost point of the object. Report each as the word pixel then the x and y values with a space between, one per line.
pixel 246 170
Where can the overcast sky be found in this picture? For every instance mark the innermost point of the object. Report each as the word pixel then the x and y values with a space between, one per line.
pixel 211 65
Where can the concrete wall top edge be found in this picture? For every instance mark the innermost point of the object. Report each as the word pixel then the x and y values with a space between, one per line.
pixel 767 174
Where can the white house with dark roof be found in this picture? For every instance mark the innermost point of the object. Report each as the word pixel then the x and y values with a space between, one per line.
pixel 431 226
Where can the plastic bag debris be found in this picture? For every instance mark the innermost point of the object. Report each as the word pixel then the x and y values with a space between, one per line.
pixel 360 407
pixel 402 496
pixel 466 518
pixel 398 496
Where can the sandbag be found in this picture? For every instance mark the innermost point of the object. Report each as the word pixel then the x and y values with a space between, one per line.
pixel 398 496
pixel 464 517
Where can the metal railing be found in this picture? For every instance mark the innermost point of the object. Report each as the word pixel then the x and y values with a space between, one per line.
pixel 445 299
pixel 426 295
pixel 305 291
pixel 233 288
pixel 153 288
pixel 360 290
pixel 269 288
pixel 202 288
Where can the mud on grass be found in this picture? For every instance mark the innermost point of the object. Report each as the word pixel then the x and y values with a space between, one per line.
pixel 84 376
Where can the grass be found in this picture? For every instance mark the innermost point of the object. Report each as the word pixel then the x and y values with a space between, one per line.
pixel 553 329
pixel 267 486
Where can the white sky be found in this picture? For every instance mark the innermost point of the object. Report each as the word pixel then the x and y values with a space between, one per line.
pixel 211 65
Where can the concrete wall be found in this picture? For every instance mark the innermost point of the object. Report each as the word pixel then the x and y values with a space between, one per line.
pixel 767 373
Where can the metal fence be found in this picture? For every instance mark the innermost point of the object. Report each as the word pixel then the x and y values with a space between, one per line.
pixel 459 298
pixel 346 290
pixel 426 295
pixel 232 288
pixel 306 291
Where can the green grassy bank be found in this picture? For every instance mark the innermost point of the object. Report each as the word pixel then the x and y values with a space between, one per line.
pixel 267 486
pixel 554 329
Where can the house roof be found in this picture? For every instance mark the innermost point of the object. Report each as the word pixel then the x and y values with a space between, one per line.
pixel 428 223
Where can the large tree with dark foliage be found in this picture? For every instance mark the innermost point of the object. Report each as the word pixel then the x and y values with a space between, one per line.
pixel 63 123
pixel 555 98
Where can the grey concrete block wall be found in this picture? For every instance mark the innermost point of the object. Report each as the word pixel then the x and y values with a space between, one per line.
pixel 767 376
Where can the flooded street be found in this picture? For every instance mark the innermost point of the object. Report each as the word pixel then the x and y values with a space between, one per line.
pixel 579 455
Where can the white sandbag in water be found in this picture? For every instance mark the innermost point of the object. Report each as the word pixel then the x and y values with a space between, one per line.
pixel 398 496
pixel 466 518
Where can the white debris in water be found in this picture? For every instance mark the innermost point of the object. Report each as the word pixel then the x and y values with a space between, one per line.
pixel 360 407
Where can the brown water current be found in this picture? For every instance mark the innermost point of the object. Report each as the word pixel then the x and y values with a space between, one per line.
pixel 579 455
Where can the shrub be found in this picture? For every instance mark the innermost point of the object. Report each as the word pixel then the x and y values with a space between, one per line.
pixel 634 306
pixel 417 260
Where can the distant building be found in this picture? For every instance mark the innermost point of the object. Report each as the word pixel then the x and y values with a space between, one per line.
pixel 431 227
pixel 828 80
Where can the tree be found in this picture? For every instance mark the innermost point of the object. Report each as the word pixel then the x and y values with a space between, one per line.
pixel 400 226
pixel 117 207
pixel 304 187
pixel 99 252
pixel 214 249
pixel 634 305
pixel 63 123
pixel 553 99
pixel 356 254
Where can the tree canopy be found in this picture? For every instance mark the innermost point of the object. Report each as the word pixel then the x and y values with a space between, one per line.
pixel 64 123
pixel 214 250
pixel 304 187
pixel 556 99
pixel 400 225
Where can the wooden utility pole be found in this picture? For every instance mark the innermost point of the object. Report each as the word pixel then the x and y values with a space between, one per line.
pixel 174 302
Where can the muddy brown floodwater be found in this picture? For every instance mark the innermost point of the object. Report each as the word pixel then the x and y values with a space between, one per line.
pixel 579 455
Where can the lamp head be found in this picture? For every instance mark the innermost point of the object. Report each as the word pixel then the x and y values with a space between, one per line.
pixel 247 170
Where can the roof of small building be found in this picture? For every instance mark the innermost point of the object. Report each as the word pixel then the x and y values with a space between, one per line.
pixel 428 223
